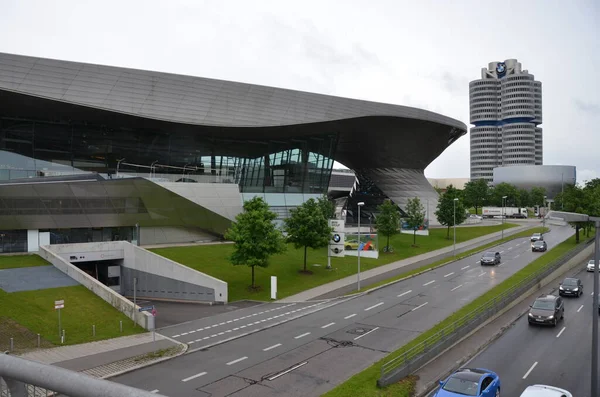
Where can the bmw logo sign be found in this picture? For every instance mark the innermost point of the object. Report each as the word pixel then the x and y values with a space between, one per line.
pixel 501 68
pixel 336 238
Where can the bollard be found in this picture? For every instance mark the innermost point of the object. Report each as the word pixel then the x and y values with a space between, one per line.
pixel 12 345
pixel 39 341
pixel 62 338
pixel 121 325
pixel 94 330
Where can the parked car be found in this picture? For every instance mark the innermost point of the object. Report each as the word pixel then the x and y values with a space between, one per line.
pixel 591 266
pixel 547 309
pixel 545 391
pixel 571 287
pixel 474 216
pixel 539 246
pixel 536 237
pixel 470 382
pixel 490 258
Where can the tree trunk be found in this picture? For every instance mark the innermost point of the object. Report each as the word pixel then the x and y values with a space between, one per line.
pixel 476 212
pixel 576 234
pixel 448 234
pixel 305 258
pixel 252 277
pixel 387 245
pixel 414 237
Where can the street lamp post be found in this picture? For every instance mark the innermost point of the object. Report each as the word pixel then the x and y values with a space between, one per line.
pixel 503 213
pixel 544 217
pixel 574 217
pixel 360 204
pixel 454 223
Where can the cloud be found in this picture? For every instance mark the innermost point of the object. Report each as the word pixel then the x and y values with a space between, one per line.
pixel 454 84
pixel 587 107
pixel 586 175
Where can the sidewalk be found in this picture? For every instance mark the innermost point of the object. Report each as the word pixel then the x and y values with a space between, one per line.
pixel 347 284
pixel 112 356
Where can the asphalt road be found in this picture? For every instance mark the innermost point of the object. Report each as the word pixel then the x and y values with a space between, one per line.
pixel 561 356
pixel 328 342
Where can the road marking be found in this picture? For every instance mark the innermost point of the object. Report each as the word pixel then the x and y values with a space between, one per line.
pixel 288 371
pixel 420 306
pixel 184 334
pixel 404 293
pixel 237 361
pixel 530 369
pixel 175 336
pixel 561 331
pixel 482 274
pixel 194 376
pixel 463 268
pixel 501 252
pixel 455 288
pixel 449 274
pixel 426 284
pixel 266 349
pixel 374 306
pixel 580 307
pixel 302 336
pixel 350 316
pixel 509 248
pixel 516 256
pixel 154 391
pixel 328 325
pixel 365 334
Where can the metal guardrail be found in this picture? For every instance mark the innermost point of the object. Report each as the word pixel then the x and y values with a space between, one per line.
pixel 24 378
pixel 414 358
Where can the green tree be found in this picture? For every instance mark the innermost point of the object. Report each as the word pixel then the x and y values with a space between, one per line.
pixel 573 199
pixel 307 227
pixel 524 198
pixel 255 236
pixel 445 212
pixel 327 207
pixel 475 193
pixel 387 221
pixel 415 216
pixel 537 195
pixel 504 189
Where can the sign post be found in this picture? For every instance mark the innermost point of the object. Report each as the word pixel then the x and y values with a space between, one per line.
pixel 57 306
pixel 274 287
pixel 337 240
pixel 154 312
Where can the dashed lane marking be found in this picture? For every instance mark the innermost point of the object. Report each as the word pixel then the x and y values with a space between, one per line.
pixel 404 293
pixel 350 316
pixel 465 267
pixel 302 335
pixel 194 377
pixel 580 307
pixel 266 349
pixel 374 306
pixel 530 369
pixel 455 288
pixel 366 333
pixel 430 282
pixel 420 306
pixel 328 325
pixel 561 331
pixel 449 274
pixel 237 361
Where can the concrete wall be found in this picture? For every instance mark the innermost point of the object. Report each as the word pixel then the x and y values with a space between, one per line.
pixel 120 303
pixel 224 199
pixel 182 279
pixel 173 235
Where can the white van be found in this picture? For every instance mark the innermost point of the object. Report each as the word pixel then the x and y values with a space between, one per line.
pixel 545 391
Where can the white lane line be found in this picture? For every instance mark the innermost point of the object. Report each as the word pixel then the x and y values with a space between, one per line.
pixel 350 316
pixel 328 325
pixel 420 306
pixel 530 369
pixel 374 306
pixel 509 248
pixel 288 371
pixel 517 256
pixel 561 331
pixel 184 334
pixel 302 336
pixel 154 391
pixel 266 349
pixel 367 333
pixel 455 288
pixel 482 274
pixel 175 336
pixel 580 307
pixel 501 252
pixel 426 284
pixel 449 274
pixel 404 293
pixel 463 268
pixel 194 376
pixel 237 361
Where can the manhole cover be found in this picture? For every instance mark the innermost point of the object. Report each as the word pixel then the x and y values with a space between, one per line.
pixel 359 330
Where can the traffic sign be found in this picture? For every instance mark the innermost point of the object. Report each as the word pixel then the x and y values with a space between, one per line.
pixel 146 308
pixel 59 304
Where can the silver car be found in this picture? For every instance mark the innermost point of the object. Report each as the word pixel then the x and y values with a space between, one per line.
pixel 545 391
pixel 590 266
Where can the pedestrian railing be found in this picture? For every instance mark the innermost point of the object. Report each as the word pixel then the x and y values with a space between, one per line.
pixel 24 378
pixel 414 358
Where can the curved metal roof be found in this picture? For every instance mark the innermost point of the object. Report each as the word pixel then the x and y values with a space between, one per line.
pixel 186 99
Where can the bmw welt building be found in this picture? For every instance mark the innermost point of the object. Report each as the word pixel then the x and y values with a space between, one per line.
pixel 98 153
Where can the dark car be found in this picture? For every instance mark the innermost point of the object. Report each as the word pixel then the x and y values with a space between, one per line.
pixel 537 237
pixel 490 258
pixel 539 246
pixel 470 382
pixel 547 309
pixel 571 287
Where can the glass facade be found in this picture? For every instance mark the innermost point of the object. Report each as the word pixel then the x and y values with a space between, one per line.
pixel 88 235
pixel 13 241
pixel 169 152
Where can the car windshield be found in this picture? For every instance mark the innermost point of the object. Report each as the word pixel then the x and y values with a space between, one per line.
pixel 462 386
pixel 570 281
pixel 489 255
pixel 539 244
pixel 543 305
pixel 591 262
pixel 536 234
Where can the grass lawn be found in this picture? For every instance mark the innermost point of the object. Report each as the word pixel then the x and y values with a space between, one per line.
pixel 14 261
pixel 525 233
pixel 365 383
pixel 213 260
pixel 34 310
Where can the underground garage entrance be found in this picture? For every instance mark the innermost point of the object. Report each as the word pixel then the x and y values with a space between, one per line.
pixel 108 271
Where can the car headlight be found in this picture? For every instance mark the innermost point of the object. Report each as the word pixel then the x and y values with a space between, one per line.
pixel 550 317
pixel 560 288
pixel 575 289
pixel 530 315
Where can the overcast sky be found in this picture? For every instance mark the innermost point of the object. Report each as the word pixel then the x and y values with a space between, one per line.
pixel 420 53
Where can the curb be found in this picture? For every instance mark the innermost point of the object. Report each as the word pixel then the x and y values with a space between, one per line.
pixel 136 367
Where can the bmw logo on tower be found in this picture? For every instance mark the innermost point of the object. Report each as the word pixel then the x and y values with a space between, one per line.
pixel 501 69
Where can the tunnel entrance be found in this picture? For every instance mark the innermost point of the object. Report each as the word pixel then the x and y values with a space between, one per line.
pixel 108 271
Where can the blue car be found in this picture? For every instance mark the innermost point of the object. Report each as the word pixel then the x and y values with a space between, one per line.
pixel 470 382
